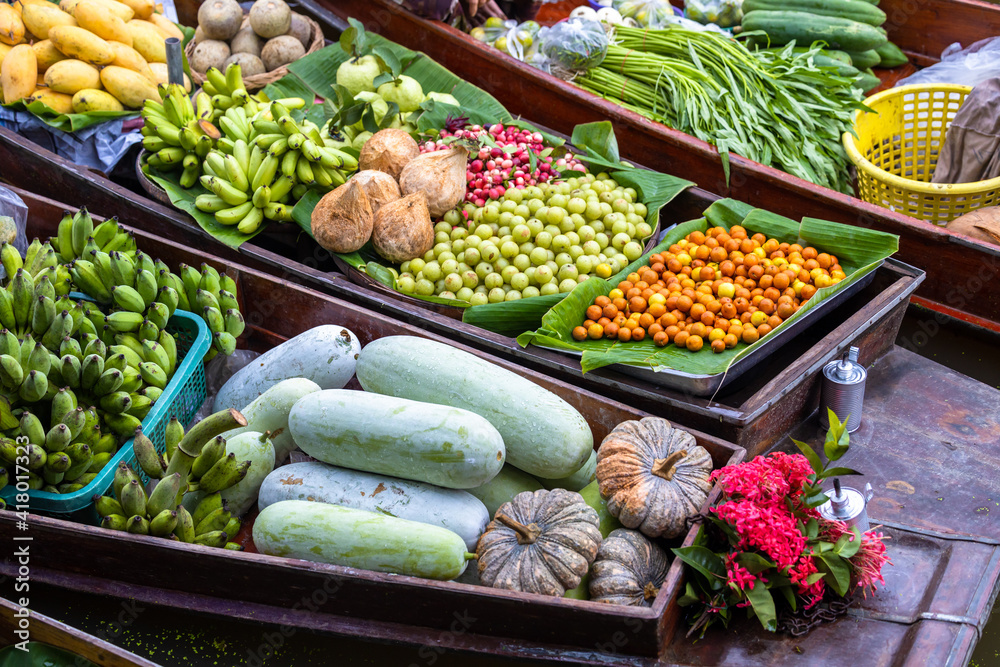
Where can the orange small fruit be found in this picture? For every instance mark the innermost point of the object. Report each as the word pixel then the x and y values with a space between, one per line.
pixel 594 312
pixel 611 330
pixel 660 339
pixel 718 346
pixel 624 334
pixel 680 338
pixel 579 333
pixel 595 331
pixel 694 343
pixel 638 333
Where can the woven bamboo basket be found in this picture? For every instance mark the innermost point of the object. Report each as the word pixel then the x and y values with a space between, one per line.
pixel 258 81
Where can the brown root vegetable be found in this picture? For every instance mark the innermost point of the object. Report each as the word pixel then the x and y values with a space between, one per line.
pixel 270 18
pixel 248 62
pixel 280 51
pixel 342 220
pixel 210 53
pixel 983 224
pixel 246 41
pixel 440 175
pixel 389 151
pixel 403 228
pixel 219 19
pixel 380 187
pixel 301 30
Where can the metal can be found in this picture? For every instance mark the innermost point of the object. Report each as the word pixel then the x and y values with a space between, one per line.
pixel 848 505
pixel 844 390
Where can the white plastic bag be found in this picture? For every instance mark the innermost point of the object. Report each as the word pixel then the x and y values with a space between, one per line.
pixel 14 207
pixel 968 67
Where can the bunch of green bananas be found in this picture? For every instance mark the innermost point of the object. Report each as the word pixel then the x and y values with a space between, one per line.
pixel 178 134
pixel 69 455
pixel 73 238
pixel 227 91
pixel 264 161
pixel 213 296
pixel 193 462
pixel 39 260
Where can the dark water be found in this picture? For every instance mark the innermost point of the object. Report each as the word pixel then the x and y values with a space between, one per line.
pixel 172 638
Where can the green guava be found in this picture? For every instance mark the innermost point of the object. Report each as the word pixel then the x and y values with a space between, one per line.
pixel 443 98
pixel 358 76
pixel 407 93
pixel 360 139
pixel 380 106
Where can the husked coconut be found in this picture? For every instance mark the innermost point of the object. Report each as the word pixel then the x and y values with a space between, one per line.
pixel 982 224
pixel 389 151
pixel 342 220
pixel 380 187
pixel 246 41
pixel 249 64
pixel 219 19
pixel 403 229
pixel 280 51
pixel 438 174
pixel 208 54
pixel 301 30
pixel 270 18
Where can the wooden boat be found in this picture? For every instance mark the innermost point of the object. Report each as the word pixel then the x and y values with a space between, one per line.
pixel 754 415
pixel 275 311
pixel 918 447
pixel 47 630
pixel 920 28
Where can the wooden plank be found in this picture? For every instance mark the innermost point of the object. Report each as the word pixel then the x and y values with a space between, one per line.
pixel 927 27
pixel 47 630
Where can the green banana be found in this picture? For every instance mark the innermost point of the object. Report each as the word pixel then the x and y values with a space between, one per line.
pixel 70 370
pixel 83 228
pixel 216 539
pixel 34 387
pixel 159 315
pixel 58 462
pixel 124 322
pixel 148 330
pixel 93 367
pixel 64 235
pixel 58 438
pixel 140 407
pixel 36 456
pixel 11 372
pixel 163 523
pixel 98 462
pixel 145 285
pixel 109 381
pixel 115 361
pixel 108 444
pixel 153 374
pixel 138 525
pixel 82 456
pixel 164 495
pixel 63 403
pixel 115 403
pixel 226 472
pixel 106 506
pixel 133 499
pixel 114 522
pixel 184 530
pixel 122 424
pixel 128 298
pixel 10 258
pixel 211 453
pixel 224 342
pixel 172 436
pixel 75 420
pixel 216 520
pixel 22 289
pixel 147 456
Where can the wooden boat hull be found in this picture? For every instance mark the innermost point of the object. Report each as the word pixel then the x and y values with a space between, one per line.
pixel 950 260
pixel 753 416
pixel 275 311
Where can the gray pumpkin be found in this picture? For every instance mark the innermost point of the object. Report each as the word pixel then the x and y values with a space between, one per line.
pixel 629 570
pixel 540 542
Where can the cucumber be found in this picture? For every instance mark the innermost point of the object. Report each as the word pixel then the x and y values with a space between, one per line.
pixel 804 28
pixel 865 59
pixel 256 448
pixel 891 55
pixel 437 444
pixel 325 354
pixel 847 71
pixel 855 10
pixel 269 414
pixel 544 435
pixel 501 489
pixel 458 511
pixel 830 54
pixel 359 539
pixel 581 478
pixel 867 81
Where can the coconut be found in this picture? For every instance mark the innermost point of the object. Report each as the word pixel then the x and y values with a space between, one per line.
pixel 402 229
pixel 301 30
pixel 280 51
pixel 440 175
pixel 246 41
pixel 249 64
pixel 219 19
pixel 380 187
pixel 342 220
pixel 210 53
pixel 388 151
pixel 270 18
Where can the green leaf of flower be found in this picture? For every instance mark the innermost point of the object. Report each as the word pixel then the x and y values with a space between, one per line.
pixel 810 454
pixel 763 605
pixel 846 547
pixel 838 572
pixel 706 562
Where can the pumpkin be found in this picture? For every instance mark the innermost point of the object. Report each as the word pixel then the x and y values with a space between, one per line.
pixel 653 476
pixel 540 542
pixel 629 569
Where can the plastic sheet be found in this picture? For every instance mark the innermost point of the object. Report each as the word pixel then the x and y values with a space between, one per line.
pixel 574 45
pixel 647 13
pixel 967 67
pixel 723 13
pixel 217 372
pixel 14 207
pixel 99 146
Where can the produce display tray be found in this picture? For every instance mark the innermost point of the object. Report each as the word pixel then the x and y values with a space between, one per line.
pixel 405 607
pixel 708 385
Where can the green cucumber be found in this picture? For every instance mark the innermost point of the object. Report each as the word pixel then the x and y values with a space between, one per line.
pixel 581 478
pixel 804 28
pixel 355 538
pixel 891 55
pixel 437 444
pixel 867 81
pixel 865 59
pixel 544 435
pixel 830 54
pixel 501 489
pixel 855 10
pixel 269 413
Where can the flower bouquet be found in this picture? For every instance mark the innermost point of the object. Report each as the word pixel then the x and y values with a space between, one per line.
pixel 766 537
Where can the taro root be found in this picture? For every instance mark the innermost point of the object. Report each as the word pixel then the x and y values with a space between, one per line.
pixel 654 476
pixel 389 151
pixel 440 175
pixel 380 187
pixel 342 220
pixel 403 228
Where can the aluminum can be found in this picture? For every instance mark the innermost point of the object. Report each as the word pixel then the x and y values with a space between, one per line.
pixel 844 391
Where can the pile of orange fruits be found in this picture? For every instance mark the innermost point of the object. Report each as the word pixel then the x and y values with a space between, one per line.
pixel 714 288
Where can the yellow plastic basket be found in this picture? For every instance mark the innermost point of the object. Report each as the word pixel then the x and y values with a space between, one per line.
pixel 897 148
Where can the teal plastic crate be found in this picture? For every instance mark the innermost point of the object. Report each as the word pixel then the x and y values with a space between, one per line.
pixel 182 397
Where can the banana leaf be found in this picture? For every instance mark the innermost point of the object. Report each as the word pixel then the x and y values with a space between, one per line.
pixel 183 198
pixel 39 654
pixel 860 252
